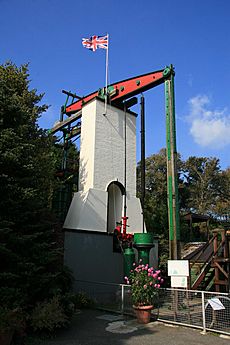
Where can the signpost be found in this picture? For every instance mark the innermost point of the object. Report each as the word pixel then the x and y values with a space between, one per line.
pixel 178 270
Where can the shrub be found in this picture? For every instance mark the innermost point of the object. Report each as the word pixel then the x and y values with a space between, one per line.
pixel 48 316
pixel 10 319
pixel 81 300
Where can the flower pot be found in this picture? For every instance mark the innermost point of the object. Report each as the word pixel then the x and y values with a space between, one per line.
pixel 143 313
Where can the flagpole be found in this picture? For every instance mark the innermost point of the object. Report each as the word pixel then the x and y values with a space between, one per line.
pixel 106 73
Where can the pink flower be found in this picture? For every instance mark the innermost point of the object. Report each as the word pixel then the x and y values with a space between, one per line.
pixel 158 285
pixel 151 283
pixel 159 278
pixel 149 270
pixel 154 275
pixel 155 285
pixel 134 264
pixel 145 286
pixel 162 281
pixel 149 274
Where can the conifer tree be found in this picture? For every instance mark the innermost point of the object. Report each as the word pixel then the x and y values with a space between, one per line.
pixel 30 259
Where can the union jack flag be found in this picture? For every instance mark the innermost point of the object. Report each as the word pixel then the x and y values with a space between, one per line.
pixel 95 42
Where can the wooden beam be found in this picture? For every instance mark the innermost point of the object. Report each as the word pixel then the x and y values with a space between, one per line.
pixel 221 269
pixel 62 124
pixel 221 282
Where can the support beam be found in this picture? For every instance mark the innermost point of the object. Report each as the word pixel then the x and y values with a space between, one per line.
pixel 173 209
pixel 143 158
pixel 62 124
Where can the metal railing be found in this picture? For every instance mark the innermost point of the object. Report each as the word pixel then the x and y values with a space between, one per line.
pixel 208 311
pixel 200 309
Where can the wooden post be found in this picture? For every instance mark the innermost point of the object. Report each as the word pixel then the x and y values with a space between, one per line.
pixel 215 247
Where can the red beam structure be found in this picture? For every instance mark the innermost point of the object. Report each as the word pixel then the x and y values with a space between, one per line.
pixel 121 90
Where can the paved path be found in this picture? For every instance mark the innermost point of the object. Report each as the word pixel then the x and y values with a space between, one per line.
pixel 94 327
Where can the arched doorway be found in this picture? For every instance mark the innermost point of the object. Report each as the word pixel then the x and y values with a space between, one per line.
pixel 116 191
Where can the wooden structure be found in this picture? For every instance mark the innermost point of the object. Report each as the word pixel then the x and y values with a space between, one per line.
pixel 194 218
pixel 221 261
pixel 210 264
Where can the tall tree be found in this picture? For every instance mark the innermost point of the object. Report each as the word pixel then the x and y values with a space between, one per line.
pixel 30 264
pixel 204 180
pixel 156 211
pixel 221 209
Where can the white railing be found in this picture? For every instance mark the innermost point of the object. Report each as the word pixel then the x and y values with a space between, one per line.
pixel 201 309
pixel 209 311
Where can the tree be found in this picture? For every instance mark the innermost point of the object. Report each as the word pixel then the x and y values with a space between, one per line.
pixel 30 259
pixel 66 158
pixel 203 188
pixel 156 193
pixel 155 208
pixel 204 181
pixel 221 208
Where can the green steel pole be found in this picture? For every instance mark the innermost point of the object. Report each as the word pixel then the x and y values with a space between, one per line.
pixel 143 161
pixel 172 184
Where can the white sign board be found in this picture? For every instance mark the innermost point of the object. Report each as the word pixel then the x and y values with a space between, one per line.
pixel 178 268
pixel 216 304
pixel 179 282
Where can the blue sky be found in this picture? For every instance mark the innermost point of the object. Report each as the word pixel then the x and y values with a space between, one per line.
pixel 145 36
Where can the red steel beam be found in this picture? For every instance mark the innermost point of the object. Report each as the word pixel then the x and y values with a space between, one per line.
pixel 124 89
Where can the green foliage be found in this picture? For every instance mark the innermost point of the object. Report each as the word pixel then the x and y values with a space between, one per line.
pixel 66 158
pixel 204 181
pixel 155 208
pixel 163 248
pixel 221 208
pixel 10 319
pixel 68 164
pixel 48 316
pixel 81 300
pixel 25 168
pixel 203 188
pixel 31 246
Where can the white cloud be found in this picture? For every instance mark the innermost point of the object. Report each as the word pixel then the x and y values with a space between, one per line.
pixel 49 117
pixel 209 128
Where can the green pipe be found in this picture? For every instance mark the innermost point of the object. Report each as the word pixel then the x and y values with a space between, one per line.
pixel 129 259
pixel 143 256
pixel 143 242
